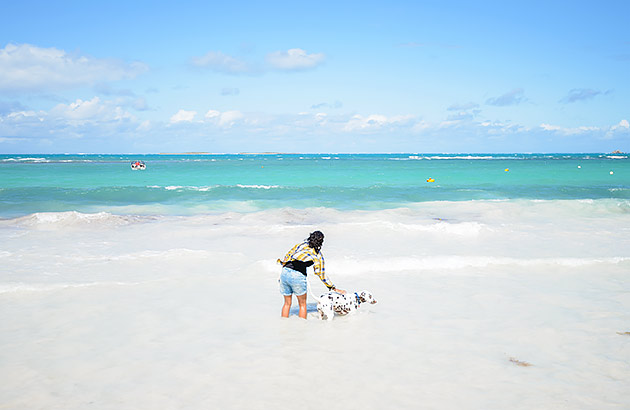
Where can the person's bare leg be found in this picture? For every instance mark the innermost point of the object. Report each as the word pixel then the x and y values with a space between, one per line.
pixel 302 301
pixel 286 308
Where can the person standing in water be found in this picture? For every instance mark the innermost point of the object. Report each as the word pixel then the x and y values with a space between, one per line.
pixel 293 277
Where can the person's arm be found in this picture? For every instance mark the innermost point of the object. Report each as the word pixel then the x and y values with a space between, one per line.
pixel 318 268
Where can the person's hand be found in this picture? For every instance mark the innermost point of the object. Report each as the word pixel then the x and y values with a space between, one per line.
pixel 343 292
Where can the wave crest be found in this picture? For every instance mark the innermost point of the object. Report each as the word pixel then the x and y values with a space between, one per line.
pixel 74 219
pixel 450 262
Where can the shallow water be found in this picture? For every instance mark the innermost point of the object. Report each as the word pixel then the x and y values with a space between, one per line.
pixel 114 311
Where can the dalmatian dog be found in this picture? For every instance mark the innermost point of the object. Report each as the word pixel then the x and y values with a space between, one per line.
pixel 333 302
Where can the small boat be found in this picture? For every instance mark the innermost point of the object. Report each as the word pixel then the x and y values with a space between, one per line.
pixel 138 165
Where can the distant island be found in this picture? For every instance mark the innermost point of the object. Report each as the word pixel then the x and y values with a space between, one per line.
pixel 188 153
pixel 266 153
pixel 616 152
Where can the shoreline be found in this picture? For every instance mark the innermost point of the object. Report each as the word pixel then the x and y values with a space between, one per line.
pixel 496 303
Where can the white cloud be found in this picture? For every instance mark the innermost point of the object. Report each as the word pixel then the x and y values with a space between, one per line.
pixel 569 130
pixel 93 110
pixel 144 126
pixel 549 127
pixel 228 118
pixel 217 61
pixel 420 126
pixel 359 122
pixel 623 124
pixel 290 60
pixel 463 112
pixel 294 59
pixel 183 116
pixel 513 97
pixel 79 110
pixel 224 119
pixel 337 104
pixel 376 121
pixel 463 115
pixel 28 68
pixel 11 140
pixel 92 119
pixel 501 128
pixel 101 120
pixel 623 127
pixel 212 114
pixel 463 107
pixel 18 115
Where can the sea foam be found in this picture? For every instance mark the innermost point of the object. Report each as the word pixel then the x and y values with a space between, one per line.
pixel 61 220
pixel 183 311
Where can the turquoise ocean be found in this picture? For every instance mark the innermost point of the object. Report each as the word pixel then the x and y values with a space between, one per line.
pixel 195 184
pixel 503 283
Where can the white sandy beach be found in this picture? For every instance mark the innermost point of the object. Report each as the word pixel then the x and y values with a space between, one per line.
pixel 481 305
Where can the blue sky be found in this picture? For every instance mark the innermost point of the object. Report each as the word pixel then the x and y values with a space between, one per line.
pixel 327 76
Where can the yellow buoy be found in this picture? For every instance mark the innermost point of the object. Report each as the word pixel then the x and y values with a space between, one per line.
pixel 507 169
pixel 430 180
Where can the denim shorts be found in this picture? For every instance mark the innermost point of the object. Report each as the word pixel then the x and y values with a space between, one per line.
pixel 292 282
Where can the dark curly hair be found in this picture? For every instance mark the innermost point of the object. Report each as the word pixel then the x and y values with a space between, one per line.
pixel 316 240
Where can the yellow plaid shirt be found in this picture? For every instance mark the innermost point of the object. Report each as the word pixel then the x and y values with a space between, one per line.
pixel 303 252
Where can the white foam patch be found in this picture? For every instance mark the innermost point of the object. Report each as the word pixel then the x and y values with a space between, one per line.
pixel 258 186
pixel 52 287
pixel 350 266
pixel 211 187
pixel 28 159
pixel 70 219
pixel 471 229
pixel 161 255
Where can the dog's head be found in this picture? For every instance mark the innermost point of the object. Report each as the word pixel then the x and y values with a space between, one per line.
pixel 365 297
